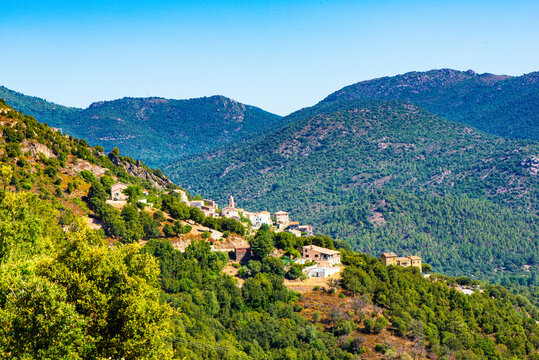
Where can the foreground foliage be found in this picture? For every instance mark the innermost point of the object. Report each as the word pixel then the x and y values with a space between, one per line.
pixel 66 295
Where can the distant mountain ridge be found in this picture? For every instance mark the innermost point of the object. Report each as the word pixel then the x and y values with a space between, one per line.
pixel 498 104
pixel 155 130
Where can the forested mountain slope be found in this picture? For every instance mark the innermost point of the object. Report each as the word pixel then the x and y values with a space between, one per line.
pixel 66 292
pixel 154 130
pixel 388 176
pixel 498 104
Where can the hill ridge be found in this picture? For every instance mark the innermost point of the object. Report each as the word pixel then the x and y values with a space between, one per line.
pixel 499 104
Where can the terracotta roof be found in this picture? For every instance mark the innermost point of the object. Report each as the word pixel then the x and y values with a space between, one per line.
pixel 389 254
pixel 413 257
pixel 322 250
pixel 403 258
pixel 293 223
pixel 281 213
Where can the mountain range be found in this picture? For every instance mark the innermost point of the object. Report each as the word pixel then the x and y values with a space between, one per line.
pixel 159 131
pixel 154 130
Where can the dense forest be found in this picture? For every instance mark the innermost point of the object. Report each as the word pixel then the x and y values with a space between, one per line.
pixel 497 104
pixel 389 176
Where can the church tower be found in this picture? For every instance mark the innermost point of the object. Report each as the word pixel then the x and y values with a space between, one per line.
pixel 231 202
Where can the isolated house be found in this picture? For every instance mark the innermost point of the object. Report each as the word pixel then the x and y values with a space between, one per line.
pixel 322 256
pixel 116 192
pixel 404 261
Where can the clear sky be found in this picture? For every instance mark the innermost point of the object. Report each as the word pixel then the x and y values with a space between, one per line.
pixel 278 55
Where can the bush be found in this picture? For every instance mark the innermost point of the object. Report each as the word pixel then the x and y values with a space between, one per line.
pixel 381 348
pixel 295 272
pixel 169 230
pixel 13 150
pixel 87 175
pixel 273 265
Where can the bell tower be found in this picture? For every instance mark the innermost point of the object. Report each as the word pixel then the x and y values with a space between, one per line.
pixel 231 202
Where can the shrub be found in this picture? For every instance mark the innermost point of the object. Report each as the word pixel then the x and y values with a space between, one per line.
pixel 87 175
pixel 295 272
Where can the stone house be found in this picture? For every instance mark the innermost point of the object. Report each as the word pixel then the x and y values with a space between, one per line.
pixel 196 203
pixel 306 230
pixel 282 219
pixel 405 261
pixel 243 253
pixel 116 192
pixel 322 256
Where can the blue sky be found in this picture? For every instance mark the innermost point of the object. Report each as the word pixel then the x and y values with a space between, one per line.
pixel 278 55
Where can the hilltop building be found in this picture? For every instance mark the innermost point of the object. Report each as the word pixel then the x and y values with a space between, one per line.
pixel 231 211
pixel 116 192
pixel 392 259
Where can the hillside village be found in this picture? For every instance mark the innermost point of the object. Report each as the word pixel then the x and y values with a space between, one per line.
pixel 315 261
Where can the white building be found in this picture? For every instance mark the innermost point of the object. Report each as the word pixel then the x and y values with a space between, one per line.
pixel 196 203
pixel 321 272
pixel 259 218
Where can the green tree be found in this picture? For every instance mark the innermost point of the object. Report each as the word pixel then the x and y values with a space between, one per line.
pixel 133 192
pixel 169 230
pixel 261 244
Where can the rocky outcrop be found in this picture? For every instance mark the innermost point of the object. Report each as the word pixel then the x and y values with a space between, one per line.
pixel 80 165
pixel 36 148
pixel 531 165
pixel 139 170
